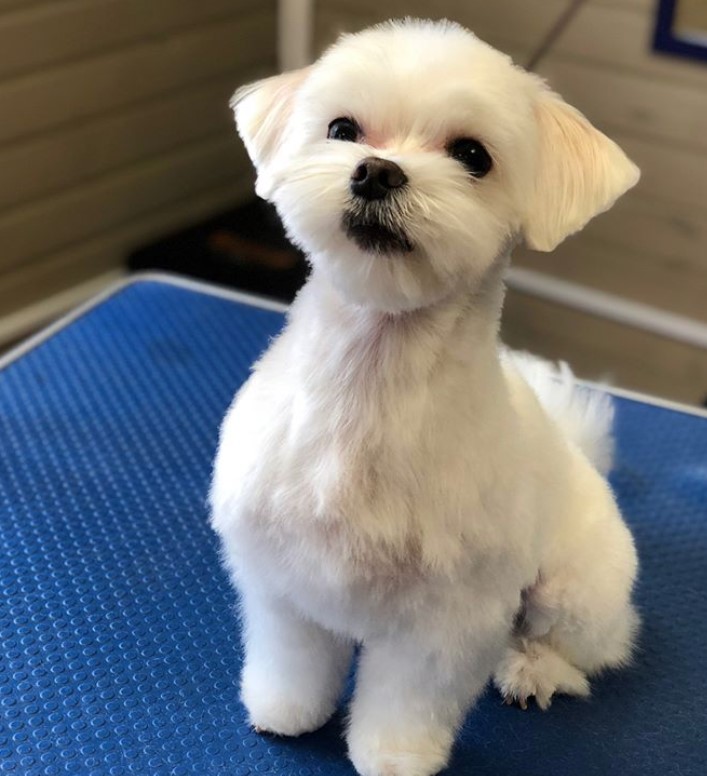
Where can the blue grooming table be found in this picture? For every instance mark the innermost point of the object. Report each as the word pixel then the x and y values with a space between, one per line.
pixel 119 648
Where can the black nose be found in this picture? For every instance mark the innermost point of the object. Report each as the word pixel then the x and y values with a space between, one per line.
pixel 373 178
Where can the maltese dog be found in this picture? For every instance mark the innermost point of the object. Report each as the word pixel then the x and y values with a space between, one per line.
pixel 389 476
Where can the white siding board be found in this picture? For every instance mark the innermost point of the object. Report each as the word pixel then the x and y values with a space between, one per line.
pixel 639 5
pixel 115 128
pixel 621 37
pixel 60 95
pixel 639 275
pixel 523 22
pixel 665 228
pixel 75 154
pixel 10 5
pixel 604 350
pixel 331 22
pixel 59 270
pixel 331 26
pixel 49 224
pixel 59 31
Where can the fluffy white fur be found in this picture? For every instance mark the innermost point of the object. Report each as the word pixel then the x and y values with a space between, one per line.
pixel 388 475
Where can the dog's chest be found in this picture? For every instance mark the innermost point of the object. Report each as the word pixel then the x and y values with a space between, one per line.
pixel 358 478
pixel 361 488
pixel 346 432
pixel 342 483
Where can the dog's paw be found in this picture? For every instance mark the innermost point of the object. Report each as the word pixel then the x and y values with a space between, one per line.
pixel 283 714
pixel 286 717
pixel 414 755
pixel 536 670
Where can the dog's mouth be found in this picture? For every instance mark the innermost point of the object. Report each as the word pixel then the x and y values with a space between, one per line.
pixel 372 236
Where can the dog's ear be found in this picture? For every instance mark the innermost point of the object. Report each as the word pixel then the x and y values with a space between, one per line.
pixel 261 110
pixel 580 173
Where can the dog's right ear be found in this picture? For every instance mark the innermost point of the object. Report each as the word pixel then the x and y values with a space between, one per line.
pixel 261 110
pixel 581 173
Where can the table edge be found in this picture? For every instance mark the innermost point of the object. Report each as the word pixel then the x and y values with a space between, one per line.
pixel 212 289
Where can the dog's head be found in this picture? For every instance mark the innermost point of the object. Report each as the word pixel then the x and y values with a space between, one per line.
pixel 411 155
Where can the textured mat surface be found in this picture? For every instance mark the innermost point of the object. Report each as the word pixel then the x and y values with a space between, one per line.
pixel 119 650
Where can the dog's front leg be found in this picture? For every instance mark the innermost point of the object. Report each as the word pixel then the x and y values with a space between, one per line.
pixel 412 693
pixel 294 670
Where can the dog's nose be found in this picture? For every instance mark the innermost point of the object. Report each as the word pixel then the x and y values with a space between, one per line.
pixel 373 178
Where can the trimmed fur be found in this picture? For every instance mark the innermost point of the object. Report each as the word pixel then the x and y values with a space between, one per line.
pixel 388 475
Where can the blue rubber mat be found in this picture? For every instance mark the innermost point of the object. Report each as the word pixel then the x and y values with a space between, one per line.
pixel 119 647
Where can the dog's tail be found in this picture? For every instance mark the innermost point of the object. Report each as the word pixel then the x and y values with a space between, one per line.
pixel 586 416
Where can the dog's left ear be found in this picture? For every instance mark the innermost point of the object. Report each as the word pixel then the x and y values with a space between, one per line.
pixel 580 173
pixel 261 110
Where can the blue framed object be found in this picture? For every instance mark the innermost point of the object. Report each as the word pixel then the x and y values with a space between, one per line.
pixel 119 644
pixel 667 39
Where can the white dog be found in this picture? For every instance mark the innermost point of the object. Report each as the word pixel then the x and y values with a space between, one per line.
pixel 388 476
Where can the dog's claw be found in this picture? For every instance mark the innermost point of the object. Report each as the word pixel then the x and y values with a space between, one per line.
pixel 511 700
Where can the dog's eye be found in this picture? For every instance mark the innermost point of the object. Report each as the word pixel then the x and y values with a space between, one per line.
pixel 344 129
pixel 472 155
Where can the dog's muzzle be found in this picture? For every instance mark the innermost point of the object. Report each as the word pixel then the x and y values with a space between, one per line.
pixel 372 236
pixel 370 222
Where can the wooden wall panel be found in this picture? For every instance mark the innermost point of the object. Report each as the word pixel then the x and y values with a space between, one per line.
pixel 82 211
pixel 41 35
pixel 601 350
pixel 594 263
pixel 89 87
pixel 116 130
pixel 66 278
pixel 78 152
pixel 510 25
pixel 96 255
pixel 619 36
pixel 656 228
pixel 517 23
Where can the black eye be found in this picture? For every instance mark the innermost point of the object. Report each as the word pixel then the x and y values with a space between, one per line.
pixel 472 155
pixel 344 129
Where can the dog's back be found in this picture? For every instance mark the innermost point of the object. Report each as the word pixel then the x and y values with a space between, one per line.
pixel 585 416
